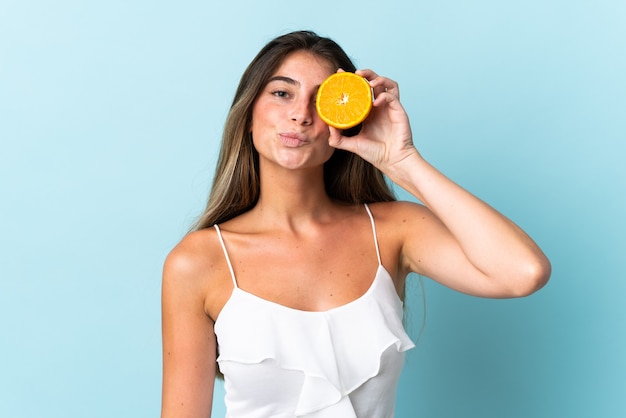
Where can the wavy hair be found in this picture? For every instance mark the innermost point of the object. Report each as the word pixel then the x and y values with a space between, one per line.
pixel 236 185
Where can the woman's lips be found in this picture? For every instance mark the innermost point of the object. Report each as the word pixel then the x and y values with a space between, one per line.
pixel 292 139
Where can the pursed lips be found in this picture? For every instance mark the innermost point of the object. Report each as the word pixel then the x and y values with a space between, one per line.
pixel 293 139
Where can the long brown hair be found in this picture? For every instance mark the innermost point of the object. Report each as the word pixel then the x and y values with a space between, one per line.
pixel 236 187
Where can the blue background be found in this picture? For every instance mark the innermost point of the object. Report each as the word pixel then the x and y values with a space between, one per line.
pixel 110 116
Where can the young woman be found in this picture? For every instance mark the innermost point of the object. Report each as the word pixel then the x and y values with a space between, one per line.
pixel 291 284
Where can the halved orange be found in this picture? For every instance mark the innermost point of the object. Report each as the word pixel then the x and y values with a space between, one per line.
pixel 344 100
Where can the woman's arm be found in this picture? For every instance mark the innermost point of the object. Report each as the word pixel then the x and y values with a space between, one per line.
pixel 456 239
pixel 463 243
pixel 189 346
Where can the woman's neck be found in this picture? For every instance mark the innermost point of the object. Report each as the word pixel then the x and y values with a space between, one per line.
pixel 293 196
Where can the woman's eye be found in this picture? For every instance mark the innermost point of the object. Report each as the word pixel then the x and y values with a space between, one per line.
pixel 280 93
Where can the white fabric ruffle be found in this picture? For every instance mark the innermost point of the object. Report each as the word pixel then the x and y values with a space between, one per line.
pixel 337 351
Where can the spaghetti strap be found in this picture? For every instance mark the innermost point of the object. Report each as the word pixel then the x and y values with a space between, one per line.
pixel 230 266
pixel 374 232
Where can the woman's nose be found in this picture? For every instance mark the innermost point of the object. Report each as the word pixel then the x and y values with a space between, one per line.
pixel 302 111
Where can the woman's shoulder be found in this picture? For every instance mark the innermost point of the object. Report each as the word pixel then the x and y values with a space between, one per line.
pixel 196 272
pixel 194 258
pixel 397 211
pixel 399 220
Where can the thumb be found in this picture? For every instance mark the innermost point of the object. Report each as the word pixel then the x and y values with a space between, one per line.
pixel 336 139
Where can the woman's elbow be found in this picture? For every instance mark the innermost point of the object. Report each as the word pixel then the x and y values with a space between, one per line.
pixel 533 276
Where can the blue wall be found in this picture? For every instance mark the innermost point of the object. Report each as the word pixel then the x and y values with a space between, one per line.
pixel 110 115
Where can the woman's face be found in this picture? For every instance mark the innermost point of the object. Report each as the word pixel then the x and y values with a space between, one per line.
pixel 286 128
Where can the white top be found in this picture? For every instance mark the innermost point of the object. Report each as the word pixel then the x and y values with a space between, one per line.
pixel 283 362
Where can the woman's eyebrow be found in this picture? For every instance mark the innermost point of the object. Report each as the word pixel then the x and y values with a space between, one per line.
pixel 287 80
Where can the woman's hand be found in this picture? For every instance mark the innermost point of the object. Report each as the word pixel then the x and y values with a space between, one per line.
pixel 385 138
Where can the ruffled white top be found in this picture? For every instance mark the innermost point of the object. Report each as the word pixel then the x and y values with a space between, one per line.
pixel 283 362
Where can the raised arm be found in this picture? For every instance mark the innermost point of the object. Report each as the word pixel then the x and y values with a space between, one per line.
pixel 189 346
pixel 456 239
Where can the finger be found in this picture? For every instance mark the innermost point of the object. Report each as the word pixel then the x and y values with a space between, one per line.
pixel 367 74
pixel 386 98
pixel 380 84
pixel 335 138
pixel 338 141
pixel 385 85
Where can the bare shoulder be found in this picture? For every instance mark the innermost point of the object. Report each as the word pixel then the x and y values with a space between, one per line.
pixel 397 224
pixel 191 256
pixel 195 267
pixel 397 215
